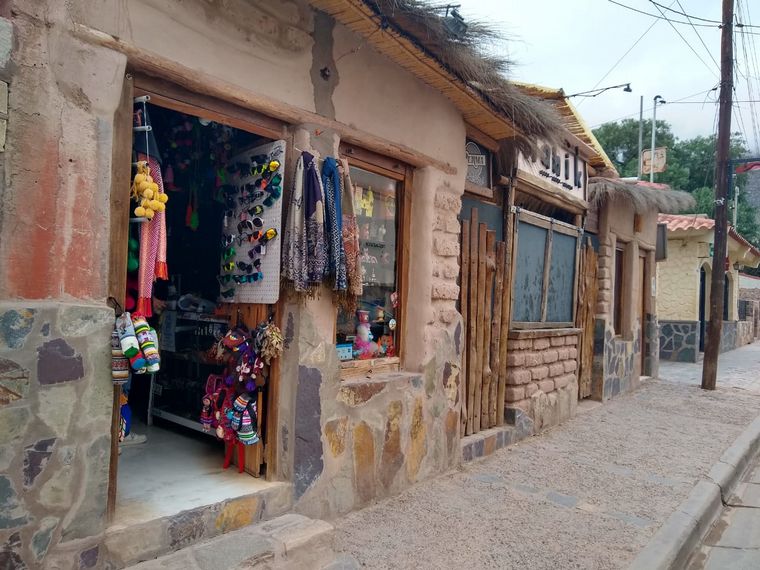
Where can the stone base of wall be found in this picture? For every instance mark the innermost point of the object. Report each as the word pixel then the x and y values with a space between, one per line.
pixel 542 385
pixel 679 341
pixel 745 333
pixel 728 336
pixel 484 443
pixel 616 368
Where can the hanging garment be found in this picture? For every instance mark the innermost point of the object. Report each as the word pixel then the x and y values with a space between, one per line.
pixel 350 239
pixel 152 248
pixel 305 255
pixel 336 255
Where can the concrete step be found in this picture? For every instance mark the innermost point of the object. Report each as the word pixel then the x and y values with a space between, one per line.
pixel 129 544
pixel 288 542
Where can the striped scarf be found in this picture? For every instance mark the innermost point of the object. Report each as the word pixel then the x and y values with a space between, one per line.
pixel 336 254
pixel 152 248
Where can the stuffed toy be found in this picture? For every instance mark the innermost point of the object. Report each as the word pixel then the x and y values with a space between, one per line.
pixel 127 339
pixel 148 343
pixel 119 362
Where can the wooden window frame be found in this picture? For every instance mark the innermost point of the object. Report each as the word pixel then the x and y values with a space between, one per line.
pixel 403 174
pixel 550 225
pixel 620 291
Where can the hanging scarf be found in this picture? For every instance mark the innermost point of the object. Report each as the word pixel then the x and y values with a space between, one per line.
pixel 314 212
pixel 152 248
pixel 336 255
pixel 294 235
pixel 350 239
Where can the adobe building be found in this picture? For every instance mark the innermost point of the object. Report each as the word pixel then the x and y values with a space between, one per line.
pixel 200 91
pixel 683 293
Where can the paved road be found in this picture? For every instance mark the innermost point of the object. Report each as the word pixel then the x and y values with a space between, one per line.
pixel 734 541
pixel 588 494
pixel 736 369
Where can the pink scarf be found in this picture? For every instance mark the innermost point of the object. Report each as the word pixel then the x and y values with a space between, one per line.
pixel 152 249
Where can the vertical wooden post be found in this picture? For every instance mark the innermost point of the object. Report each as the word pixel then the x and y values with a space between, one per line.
pixel 121 172
pixel 506 303
pixel 714 327
pixel 485 406
pixel 498 291
pixel 472 352
pixel 464 306
pixel 482 238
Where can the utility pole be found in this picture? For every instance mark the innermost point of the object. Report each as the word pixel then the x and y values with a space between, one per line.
pixel 657 99
pixel 720 242
pixel 641 133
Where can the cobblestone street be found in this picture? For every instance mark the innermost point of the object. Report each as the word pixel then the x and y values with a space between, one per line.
pixel 588 494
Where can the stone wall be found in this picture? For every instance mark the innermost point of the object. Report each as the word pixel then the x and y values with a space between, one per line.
pixel 616 367
pixel 745 333
pixel 728 336
pixel 55 418
pixel 542 381
pixel 679 340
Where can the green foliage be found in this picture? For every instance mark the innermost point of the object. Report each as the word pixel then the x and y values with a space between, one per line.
pixel 690 165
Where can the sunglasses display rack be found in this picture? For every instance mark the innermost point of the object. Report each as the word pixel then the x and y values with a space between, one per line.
pixel 249 263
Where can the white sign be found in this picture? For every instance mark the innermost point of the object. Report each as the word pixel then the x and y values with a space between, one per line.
pixel 562 168
pixel 660 160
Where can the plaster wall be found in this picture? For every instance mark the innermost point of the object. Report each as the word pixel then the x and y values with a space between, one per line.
pixel 678 281
pixel 618 361
pixel 339 449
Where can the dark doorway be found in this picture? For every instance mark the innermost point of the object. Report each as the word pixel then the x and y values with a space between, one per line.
pixel 726 296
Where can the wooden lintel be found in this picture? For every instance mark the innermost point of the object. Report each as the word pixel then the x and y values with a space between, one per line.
pixel 144 61
pixel 480 137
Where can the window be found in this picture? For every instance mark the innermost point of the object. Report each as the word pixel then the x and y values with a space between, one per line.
pixel 545 262
pixel 617 318
pixel 373 330
pixel 479 160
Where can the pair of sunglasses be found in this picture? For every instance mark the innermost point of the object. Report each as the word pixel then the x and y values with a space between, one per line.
pixel 224 278
pixel 256 210
pixel 229 293
pixel 252 278
pixel 260 169
pixel 227 240
pixel 249 199
pixel 249 225
pixel 274 195
pixel 228 253
pixel 249 267
pixel 229 266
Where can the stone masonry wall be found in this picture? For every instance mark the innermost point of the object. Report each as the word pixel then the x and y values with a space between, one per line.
pixel 542 382
pixel 55 418
pixel 679 340
pixel 745 333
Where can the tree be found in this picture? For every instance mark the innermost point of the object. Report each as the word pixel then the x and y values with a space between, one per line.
pixel 690 165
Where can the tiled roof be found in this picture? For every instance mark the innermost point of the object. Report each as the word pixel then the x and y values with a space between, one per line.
pixel 686 222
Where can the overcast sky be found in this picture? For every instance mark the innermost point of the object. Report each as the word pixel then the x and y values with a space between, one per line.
pixel 573 43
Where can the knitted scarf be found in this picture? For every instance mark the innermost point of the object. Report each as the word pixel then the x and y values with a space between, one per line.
pixel 350 240
pixel 152 248
pixel 336 255
pixel 304 255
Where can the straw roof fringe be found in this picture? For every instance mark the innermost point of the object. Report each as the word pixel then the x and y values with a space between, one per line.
pixel 467 59
pixel 642 198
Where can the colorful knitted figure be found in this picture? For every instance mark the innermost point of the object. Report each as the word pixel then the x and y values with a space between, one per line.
pixel 147 343
pixel 119 362
pixel 129 345
pixel 244 419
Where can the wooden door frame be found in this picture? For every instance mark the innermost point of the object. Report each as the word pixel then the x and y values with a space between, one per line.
pixel 177 98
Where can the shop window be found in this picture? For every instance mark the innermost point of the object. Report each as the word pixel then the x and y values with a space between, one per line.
pixel 617 317
pixel 545 262
pixel 372 331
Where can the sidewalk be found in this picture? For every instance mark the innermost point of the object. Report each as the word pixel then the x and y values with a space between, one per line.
pixel 737 369
pixel 734 541
pixel 588 494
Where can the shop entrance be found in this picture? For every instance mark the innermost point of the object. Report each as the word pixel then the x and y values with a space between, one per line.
pixel 211 307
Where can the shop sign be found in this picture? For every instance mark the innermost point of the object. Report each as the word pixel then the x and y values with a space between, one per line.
pixel 478 164
pixel 660 160
pixel 563 168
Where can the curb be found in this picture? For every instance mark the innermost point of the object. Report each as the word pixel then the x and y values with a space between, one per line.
pixel 675 541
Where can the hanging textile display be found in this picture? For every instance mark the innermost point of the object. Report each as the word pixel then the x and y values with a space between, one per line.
pixel 250 242
pixel 336 255
pixel 350 231
pixel 305 256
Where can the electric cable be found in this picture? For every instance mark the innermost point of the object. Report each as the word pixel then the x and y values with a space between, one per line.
pixel 680 35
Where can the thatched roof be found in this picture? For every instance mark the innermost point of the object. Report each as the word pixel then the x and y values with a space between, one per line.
pixel 573 122
pixel 643 196
pixel 412 33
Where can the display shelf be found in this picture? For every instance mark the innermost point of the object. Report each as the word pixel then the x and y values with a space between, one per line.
pixel 174 418
pixel 202 317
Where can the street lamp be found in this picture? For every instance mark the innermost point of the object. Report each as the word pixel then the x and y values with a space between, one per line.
pixel 657 101
pixel 596 92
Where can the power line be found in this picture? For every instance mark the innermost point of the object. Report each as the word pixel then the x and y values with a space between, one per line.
pixel 622 57
pixel 751 63
pixel 696 32
pixel 687 42
pixel 669 103
pixel 661 17
pixel 684 13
